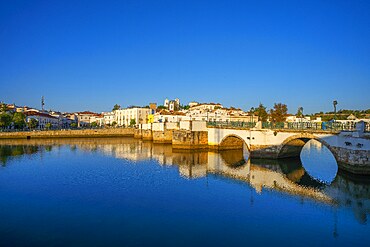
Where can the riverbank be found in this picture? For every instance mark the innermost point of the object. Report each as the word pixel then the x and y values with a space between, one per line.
pixel 83 133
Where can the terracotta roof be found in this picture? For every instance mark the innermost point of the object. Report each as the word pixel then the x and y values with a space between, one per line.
pixel 86 113
pixel 40 114
pixel 165 112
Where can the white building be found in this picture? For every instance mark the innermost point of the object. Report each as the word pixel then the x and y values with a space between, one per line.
pixel 98 119
pixel 108 118
pixel 205 106
pixel 193 103
pixel 216 112
pixel 165 116
pixel 296 119
pixel 83 118
pixel 63 121
pixel 42 119
pixel 125 117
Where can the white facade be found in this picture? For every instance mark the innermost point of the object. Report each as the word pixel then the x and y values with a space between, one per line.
pixel 297 119
pixel 170 118
pixel 123 117
pixel 204 107
pixel 108 118
pixel 215 112
pixel 98 119
pixel 42 119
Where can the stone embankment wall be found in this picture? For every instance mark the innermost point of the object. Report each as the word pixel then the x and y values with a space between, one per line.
pixel 147 135
pixel 186 139
pixel 126 132
pixel 162 136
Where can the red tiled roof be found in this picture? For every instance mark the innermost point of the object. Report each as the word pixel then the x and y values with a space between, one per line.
pixel 86 113
pixel 40 114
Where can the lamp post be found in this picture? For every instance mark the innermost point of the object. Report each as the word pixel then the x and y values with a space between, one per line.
pixel 335 103
pixel 300 110
pixel 250 114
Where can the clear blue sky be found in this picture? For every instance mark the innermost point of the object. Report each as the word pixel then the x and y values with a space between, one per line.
pixel 89 55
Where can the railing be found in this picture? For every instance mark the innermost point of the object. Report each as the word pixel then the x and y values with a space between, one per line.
pixel 328 126
pixel 321 126
pixel 233 125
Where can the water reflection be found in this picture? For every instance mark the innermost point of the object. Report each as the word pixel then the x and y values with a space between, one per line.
pixel 319 162
pixel 287 176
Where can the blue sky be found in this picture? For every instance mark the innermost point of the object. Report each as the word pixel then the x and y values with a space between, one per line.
pixel 89 55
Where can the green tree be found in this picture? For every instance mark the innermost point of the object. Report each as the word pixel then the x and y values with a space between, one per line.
pixel 299 113
pixel 116 107
pixel 3 107
pixel 161 107
pixel 279 112
pixel 261 112
pixel 132 122
pixel 73 125
pixel 48 126
pixel 5 120
pixel 33 123
pixel 184 107
pixel 114 123
pixel 94 124
pixel 19 120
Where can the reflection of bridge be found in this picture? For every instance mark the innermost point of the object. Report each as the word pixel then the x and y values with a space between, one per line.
pixel 287 176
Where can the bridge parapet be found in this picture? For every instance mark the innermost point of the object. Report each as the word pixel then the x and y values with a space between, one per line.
pixel 308 126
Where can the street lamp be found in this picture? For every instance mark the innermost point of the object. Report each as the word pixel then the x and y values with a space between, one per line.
pixel 300 110
pixel 335 103
pixel 250 113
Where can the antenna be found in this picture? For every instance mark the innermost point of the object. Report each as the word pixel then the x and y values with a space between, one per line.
pixel 42 103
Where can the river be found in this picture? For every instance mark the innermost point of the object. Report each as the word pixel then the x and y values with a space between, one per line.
pixel 126 192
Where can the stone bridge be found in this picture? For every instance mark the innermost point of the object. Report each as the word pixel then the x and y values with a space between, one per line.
pixel 350 149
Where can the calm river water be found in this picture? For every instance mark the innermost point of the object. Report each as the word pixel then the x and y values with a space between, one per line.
pixel 125 192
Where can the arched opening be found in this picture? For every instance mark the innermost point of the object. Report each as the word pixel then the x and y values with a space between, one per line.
pixel 319 162
pixel 317 158
pixel 234 142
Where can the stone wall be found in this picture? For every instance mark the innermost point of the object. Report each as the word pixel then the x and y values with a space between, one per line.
pixel 354 161
pixel 264 151
pixel 147 135
pixel 119 132
pixel 185 139
pixel 162 136
pixel 138 133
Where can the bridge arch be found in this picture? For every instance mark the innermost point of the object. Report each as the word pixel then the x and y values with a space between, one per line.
pixel 233 141
pixel 293 145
